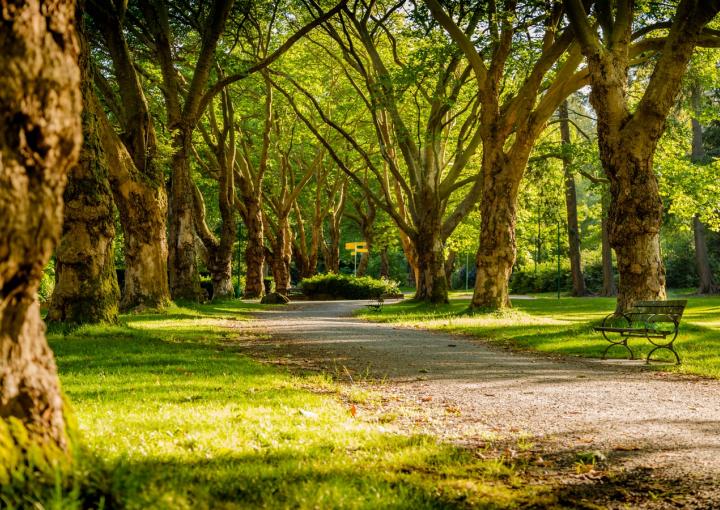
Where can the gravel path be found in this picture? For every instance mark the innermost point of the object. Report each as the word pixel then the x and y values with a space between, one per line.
pixel 473 393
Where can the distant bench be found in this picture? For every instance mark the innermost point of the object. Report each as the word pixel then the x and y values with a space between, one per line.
pixel 376 305
pixel 654 320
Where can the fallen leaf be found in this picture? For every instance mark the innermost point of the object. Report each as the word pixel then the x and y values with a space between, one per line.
pixel 353 410
pixel 426 399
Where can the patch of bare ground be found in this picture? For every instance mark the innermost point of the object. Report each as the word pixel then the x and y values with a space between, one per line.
pixel 602 435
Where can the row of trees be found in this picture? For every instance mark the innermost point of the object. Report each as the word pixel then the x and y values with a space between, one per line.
pixel 416 115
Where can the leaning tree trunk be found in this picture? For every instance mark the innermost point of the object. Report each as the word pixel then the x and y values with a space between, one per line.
pixel 40 136
pixel 254 251
pixel 86 289
pixel 573 231
pixel 182 267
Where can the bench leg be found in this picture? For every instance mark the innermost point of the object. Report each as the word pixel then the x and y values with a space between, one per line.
pixel 622 342
pixel 669 347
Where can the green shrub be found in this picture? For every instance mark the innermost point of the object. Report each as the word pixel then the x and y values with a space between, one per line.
pixel 340 286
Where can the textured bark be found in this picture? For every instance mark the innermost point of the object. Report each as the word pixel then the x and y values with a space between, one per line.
pixel 86 288
pixel 497 250
pixel 331 247
pixel 431 285
pixel 573 231
pixel 627 140
pixel 40 137
pixel 136 179
pixel 254 251
pixel 184 277
pixel 450 266
pixel 281 246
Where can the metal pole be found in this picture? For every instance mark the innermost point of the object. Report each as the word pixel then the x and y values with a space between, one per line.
pixel 355 268
pixel 558 260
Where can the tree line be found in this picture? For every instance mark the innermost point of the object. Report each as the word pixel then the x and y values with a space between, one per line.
pixel 172 124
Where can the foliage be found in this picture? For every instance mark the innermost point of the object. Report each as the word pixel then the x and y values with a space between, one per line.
pixel 47 283
pixel 340 286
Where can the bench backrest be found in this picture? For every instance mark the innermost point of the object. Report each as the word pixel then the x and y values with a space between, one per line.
pixel 663 311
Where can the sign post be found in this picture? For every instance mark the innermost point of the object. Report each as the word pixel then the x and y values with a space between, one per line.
pixel 356 247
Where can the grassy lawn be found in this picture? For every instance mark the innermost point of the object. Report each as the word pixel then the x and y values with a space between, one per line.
pixel 564 326
pixel 173 416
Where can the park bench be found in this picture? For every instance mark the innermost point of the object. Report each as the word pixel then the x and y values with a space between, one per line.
pixel 377 304
pixel 654 320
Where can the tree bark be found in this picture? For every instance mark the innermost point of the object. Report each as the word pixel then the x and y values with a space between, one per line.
pixel 707 281
pixel 573 231
pixel 254 250
pixel 281 256
pixel 40 137
pixel 137 181
pixel 86 288
pixel 432 285
pixel 497 250
pixel 183 261
pixel 450 266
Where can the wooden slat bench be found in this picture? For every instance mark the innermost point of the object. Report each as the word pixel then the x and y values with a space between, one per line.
pixel 653 320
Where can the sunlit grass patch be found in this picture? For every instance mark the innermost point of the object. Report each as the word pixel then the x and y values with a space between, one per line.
pixel 564 326
pixel 173 416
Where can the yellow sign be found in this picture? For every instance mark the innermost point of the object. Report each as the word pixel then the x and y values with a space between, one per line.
pixel 354 246
pixel 361 250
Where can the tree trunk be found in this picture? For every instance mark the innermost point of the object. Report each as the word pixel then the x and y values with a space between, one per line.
pixel 332 249
pixel 609 288
pixel 86 289
pixel 183 267
pixel 282 256
pixel 497 250
pixel 573 231
pixel 137 181
pixel 634 224
pixel 432 286
pixel 450 267
pixel 40 136
pixel 384 263
pixel 254 251
pixel 707 281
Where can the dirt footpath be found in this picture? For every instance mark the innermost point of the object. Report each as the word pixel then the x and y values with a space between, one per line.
pixel 637 426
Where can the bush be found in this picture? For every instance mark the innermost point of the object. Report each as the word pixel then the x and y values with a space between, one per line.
pixel 339 286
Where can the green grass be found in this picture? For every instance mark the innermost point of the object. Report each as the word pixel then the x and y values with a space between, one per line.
pixel 564 326
pixel 173 416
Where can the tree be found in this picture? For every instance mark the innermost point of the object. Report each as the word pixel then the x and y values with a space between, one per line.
pixel 513 114
pixel 628 139
pixel 136 177
pixel 40 138
pixel 86 288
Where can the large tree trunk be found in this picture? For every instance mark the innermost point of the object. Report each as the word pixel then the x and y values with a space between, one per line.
pixel 254 251
pixel 450 266
pixel 609 288
pixel 136 179
pixel 634 221
pixel 573 231
pixel 40 136
pixel 86 289
pixel 183 266
pixel 432 285
pixel 331 249
pixel 497 250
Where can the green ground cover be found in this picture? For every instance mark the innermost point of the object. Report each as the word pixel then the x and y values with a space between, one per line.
pixel 564 326
pixel 173 416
